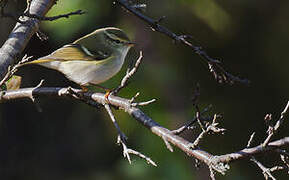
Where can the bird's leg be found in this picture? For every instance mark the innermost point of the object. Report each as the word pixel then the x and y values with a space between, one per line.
pixel 107 94
pixel 84 89
pixel 107 91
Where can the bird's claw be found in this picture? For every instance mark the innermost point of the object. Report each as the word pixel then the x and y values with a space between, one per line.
pixel 106 96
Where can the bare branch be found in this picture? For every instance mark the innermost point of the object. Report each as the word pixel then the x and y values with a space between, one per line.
pixel 127 151
pixel 272 129
pixel 121 140
pixel 285 160
pixel 266 171
pixel 209 127
pixel 217 163
pixel 13 70
pixel 134 97
pixel 248 152
pixel 53 18
pixel 189 124
pixel 220 74
pixel 128 75
pixel 117 102
pixel 251 140
pixel 41 35
pixel 168 145
pixel 120 133
pixel 212 173
pixel 143 103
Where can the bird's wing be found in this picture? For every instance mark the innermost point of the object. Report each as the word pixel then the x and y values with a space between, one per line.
pixel 77 52
pixel 72 52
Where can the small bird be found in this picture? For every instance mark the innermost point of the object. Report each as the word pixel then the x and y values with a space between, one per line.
pixel 92 59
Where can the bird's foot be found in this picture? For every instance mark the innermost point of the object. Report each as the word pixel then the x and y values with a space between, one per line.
pixel 84 89
pixel 106 96
pixel 108 92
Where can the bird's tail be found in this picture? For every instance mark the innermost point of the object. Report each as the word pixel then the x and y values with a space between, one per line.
pixel 37 61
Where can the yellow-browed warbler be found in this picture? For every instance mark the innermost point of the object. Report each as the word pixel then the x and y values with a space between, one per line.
pixel 91 59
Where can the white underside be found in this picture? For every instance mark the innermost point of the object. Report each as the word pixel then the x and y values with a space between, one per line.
pixel 87 72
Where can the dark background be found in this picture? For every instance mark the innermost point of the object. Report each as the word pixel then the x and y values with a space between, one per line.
pixel 70 140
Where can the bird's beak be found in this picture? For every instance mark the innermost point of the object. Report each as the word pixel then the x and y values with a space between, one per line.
pixel 131 44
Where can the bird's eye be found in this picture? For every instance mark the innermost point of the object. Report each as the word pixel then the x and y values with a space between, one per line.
pixel 117 41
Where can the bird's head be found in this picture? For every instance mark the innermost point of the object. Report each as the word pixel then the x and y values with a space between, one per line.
pixel 116 39
pixel 107 40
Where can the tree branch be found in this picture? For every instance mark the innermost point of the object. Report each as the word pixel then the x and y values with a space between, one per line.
pixel 21 34
pixel 218 163
pixel 53 18
pixel 119 102
pixel 273 128
pixel 247 152
pixel 220 74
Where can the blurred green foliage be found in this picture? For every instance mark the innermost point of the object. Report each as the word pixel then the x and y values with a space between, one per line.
pixel 70 140
pixel 210 12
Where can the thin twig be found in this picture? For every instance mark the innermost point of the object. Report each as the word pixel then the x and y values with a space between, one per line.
pixel 53 18
pixel 120 133
pixel 168 145
pixel 249 152
pixel 134 97
pixel 197 118
pixel 143 103
pixel 13 70
pixel 250 140
pixel 127 151
pixel 285 160
pixel 212 173
pixel 128 75
pixel 121 139
pixel 272 129
pixel 28 6
pixel 209 127
pixel 189 124
pixel 266 171
pixel 41 35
